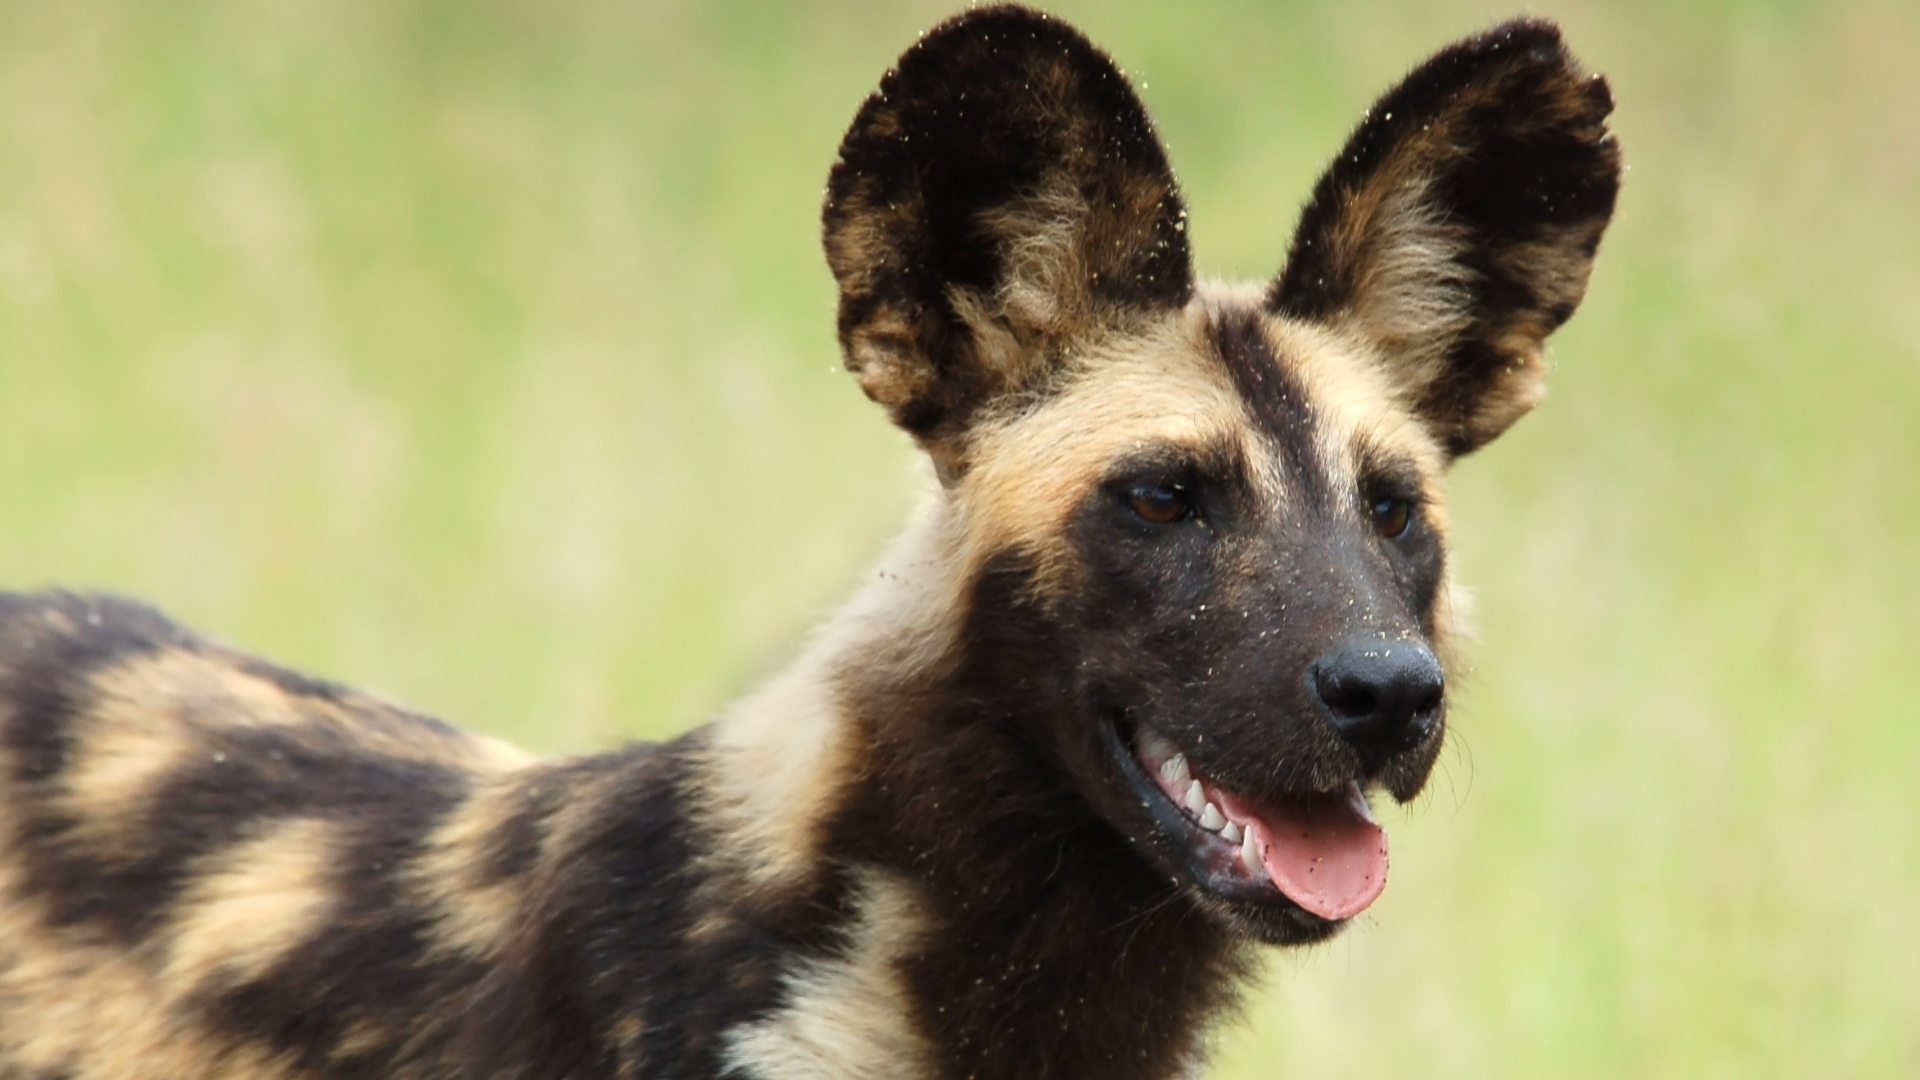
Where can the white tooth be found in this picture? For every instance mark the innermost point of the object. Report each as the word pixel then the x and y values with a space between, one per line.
pixel 1196 798
pixel 1358 799
pixel 1176 769
pixel 1250 855
pixel 1153 745
pixel 1211 818
pixel 1230 832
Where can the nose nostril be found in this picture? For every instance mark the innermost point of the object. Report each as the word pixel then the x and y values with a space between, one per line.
pixel 1429 704
pixel 1347 699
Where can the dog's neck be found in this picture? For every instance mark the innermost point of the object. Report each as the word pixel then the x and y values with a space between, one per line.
pixel 994 924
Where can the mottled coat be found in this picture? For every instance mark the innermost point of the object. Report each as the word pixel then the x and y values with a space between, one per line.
pixel 1178 592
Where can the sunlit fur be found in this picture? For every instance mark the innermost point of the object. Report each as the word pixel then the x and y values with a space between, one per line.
pixel 914 853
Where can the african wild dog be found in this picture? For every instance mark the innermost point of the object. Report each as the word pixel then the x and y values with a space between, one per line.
pixel 1108 713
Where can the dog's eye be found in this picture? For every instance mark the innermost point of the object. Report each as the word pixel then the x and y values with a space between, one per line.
pixel 1162 504
pixel 1390 517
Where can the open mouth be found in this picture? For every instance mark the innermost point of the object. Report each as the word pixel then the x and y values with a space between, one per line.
pixel 1322 851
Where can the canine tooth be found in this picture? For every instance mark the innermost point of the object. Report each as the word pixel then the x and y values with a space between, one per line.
pixel 1212 818
pixel 1196 798
pixel 1358 799
pixel 1176 769
pixel 1230 832
pixel 1155 747
pixel 1250 855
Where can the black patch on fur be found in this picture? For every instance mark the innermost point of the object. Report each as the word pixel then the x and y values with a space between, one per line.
pixel 514 848
pixel 972 120
pixel 631 930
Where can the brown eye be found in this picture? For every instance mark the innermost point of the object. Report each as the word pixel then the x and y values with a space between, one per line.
pixel 1162 504
pixel 1391 517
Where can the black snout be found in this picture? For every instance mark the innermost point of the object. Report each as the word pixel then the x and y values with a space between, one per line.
pixel 1383 697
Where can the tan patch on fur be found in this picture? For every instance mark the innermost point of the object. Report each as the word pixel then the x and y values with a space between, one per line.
pixel 773 767
pixel 159 712
pixel 84 1010
pixel 1031 468
pixel 207 691
pixel 477 918
pixel 842 1018
pixel 776 763
pixel 362 1037
pixel 625 1037
pixel 250 905
pixel 120 762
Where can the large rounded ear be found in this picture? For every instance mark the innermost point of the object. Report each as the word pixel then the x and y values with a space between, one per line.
pixel 1457 228
pixel 1001 194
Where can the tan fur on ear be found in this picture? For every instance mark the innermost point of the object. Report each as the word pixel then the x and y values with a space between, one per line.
pixel 1412 295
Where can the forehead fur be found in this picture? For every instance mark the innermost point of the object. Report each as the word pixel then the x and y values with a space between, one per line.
pixel 1032 464
pixel 1357 416
pixel 1170 387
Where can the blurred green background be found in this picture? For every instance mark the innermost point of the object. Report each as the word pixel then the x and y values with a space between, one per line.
pixel 480 352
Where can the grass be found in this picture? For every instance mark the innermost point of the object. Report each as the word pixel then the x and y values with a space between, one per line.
pixel 482 353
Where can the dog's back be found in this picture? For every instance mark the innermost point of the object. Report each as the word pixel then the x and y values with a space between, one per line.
pixel 211 866
pixel 206 867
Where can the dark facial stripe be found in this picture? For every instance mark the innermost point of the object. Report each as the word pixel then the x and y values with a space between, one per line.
pixel 1278 403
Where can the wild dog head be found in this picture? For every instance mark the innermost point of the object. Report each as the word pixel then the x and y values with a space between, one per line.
pixel 1210 518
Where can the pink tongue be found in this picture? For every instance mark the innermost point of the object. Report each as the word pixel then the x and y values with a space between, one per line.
pixel 1321 850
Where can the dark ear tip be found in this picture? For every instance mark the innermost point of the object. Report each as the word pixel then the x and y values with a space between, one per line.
pixel 1600 93
pixel 989 16
pixel 1528 41
pixel 977 51
pixel 1525 32
pixel 1546 64
pixel 985 24
pixel 1537 41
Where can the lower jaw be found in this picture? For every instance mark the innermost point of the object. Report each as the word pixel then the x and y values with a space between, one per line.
pixel 1211 866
